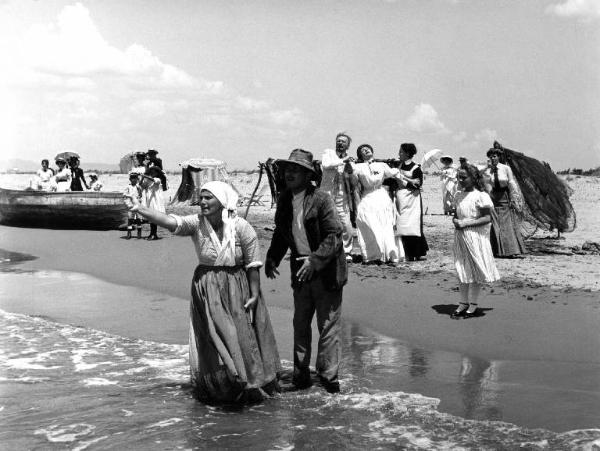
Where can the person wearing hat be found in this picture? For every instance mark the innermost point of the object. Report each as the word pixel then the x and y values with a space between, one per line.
pixel 62 179
pixel 140 165
pixel 154 161
pixel 233 353
pixel 95 184
pixel 152 196
pixel 133 191
pixel 306 223
pixel 336 182
pixel 449 184
pixel 77 175
pixel 505 235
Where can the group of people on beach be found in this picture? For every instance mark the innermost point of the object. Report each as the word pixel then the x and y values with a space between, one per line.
pixel 68 176
pixel 233 354
pixel 147 181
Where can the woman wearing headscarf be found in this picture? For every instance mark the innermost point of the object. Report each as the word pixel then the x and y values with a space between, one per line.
pixel 409 224
pixel 375 212
pixel 505 235
pixel 233 354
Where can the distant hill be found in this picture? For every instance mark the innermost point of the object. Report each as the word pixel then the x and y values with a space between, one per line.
pixel 16 164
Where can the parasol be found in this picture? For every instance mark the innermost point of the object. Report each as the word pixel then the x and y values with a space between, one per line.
pixel 66 155
pixel 431 157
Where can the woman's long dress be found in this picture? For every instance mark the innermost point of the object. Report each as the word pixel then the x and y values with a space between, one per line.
pixel 505 235
pixel 409 222
pixel 449 185
pixel 152 196
pixel 231 359
pixel 473 257
pixel 375 213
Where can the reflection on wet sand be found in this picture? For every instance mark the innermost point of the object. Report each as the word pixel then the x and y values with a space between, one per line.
pixel 480 389
pixel 468 386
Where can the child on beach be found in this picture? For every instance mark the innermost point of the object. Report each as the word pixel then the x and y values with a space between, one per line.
pixel 133 190
pixel 473 257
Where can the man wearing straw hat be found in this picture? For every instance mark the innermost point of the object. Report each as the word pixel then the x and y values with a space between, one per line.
pixel 306 222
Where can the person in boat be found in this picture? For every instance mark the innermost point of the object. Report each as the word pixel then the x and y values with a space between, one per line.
pixel 95 184
pixel 233 352
pixel 77 176
pixel 61 181
pixel 502 187
pixel 152 196
pixel 43 177
pixel 306 222
pixel 375 213
pixel 336 182
pixel 449 184
pixel 409 224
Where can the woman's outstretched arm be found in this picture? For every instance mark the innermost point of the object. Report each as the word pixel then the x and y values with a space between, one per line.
pixel 156 217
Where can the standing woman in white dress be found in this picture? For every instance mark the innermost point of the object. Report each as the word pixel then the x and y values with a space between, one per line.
pixel 473 257
pixel 152 196
pixel 375 212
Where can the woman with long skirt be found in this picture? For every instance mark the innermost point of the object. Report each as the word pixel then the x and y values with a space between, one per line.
pixel 233 353
pixel 409 223
pixel 505 236
pixel 375 212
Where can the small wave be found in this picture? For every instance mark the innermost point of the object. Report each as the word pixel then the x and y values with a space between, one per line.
pixel 165 423
pixel 98 381
pixel 69 433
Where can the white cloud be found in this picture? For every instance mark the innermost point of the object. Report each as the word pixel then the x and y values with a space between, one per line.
pixel 89 84
pixel 424 119
pixel 486 135
pixel 580 9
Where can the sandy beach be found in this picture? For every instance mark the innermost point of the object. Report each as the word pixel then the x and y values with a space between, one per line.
pixel 540 320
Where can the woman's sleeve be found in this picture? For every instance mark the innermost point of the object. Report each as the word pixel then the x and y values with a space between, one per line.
pixel 249 243
pixel 186 225
pixel 330 159
pixel 484 201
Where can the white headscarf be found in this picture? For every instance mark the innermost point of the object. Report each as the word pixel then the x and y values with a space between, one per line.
pixel 228 198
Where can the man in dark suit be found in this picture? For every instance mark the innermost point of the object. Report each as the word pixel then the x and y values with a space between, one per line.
pixel 306 222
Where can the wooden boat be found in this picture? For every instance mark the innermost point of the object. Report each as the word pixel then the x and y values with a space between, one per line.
pixel 65 210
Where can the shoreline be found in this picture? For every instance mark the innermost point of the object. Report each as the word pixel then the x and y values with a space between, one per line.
pixel 519 322
pixel 530 361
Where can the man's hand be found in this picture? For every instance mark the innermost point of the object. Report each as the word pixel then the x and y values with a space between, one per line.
pixel 306 272
pixel 457 223
pixel 271 269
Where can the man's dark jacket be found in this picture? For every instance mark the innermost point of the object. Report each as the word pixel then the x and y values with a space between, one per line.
pixel 324 233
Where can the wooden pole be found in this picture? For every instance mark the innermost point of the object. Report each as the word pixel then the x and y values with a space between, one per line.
pixel 261 166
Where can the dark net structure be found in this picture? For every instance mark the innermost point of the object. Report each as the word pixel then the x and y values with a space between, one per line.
pixel 545 195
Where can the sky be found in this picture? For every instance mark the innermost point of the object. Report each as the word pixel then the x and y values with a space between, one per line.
pixel 243 81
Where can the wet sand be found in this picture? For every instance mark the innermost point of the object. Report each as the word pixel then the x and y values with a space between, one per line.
pixel 541 342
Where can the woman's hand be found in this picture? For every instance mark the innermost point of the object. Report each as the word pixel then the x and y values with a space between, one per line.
pixel 132 202
pixel 250 305
pixel 457 223
pixel 306 272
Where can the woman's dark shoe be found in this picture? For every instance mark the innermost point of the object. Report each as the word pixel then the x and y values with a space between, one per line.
pixel 152 237
pixel 460 312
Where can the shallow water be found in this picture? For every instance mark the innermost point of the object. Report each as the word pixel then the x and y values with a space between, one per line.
pixel 79 388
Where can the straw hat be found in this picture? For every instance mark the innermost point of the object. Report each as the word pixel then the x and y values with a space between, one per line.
pixel 299 157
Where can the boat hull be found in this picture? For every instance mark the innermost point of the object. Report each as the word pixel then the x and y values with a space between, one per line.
pixel 95 210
